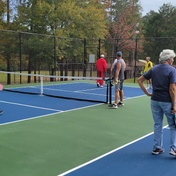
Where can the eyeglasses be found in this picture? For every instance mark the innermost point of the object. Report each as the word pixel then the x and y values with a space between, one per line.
pixel 119 55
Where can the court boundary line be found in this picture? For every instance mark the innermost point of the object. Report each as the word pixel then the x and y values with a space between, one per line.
pixel 30 106
pixel 106 154
pixel 78 91
pixel 58 112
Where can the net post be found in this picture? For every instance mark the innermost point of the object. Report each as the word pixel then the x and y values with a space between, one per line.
pixel 41 85
pixel 107 93
pixel 110 93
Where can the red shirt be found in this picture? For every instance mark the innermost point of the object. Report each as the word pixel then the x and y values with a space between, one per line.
pixel 101 65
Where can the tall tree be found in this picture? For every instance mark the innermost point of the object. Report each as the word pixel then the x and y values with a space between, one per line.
pixel 2 11
pixel 71 18
pixel 68 22
pixel 159 30
pixel 125 20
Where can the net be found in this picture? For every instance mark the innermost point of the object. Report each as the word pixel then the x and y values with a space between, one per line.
pixel 77 88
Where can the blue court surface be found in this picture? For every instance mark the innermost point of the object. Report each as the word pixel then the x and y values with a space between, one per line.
pixel 133 159
pixel 19 106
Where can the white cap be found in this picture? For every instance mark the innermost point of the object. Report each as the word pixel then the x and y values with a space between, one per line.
pixel 102 55
pixel 166 54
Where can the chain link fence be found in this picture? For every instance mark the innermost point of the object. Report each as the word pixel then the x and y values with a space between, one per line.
pixel 52 55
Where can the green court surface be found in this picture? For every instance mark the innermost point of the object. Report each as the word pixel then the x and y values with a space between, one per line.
pixel 51 145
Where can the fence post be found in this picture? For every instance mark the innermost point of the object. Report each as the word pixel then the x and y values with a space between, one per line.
pixel 85 56
pixel 135 59
pixel 20 56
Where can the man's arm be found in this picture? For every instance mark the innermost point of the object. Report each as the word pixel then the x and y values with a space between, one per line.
pixel 112 66
pixel 172 92
pixel 140 81
pixel 124 65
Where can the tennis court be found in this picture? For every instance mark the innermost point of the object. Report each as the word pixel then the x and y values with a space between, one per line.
pixel 42 135
pixel 130 159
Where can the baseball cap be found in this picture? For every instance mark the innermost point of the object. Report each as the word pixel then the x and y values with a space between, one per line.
pixel 119 53
pixel 102 55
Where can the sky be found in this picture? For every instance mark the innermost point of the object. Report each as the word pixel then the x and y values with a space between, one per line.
pixel 154 5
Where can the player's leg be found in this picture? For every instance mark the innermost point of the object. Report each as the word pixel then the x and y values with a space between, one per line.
pixel 102 81
pixel 167 111
pixel 121 94
pixel 117 88
pixel 158 116
pixel 98 81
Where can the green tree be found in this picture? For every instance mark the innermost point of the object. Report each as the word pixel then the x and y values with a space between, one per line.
pixel 2 10
pixel 159 31
pixel 71 19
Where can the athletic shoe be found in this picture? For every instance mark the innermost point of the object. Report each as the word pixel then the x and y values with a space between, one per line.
pixel 101 86
pixel 1 111
pixel 172 152
pixel 114 106
pixel 157 151
pixel 120 104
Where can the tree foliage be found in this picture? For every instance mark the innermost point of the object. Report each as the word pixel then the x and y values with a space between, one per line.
pixel 2 11
pixel 159 30
pixel 71 18
pixel 66 23
pixel 124 24
pixel 66 19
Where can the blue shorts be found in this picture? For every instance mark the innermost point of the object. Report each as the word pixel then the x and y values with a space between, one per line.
pixel 119 85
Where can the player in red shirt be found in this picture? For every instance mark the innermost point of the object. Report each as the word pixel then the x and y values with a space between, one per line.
pixel 101 66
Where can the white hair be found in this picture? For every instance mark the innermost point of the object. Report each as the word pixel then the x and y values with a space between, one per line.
pixel 166 54
pixel 102 55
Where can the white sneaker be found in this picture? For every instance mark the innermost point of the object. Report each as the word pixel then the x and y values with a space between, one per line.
pixel 120 104
pixel 114 106
pixel 172 152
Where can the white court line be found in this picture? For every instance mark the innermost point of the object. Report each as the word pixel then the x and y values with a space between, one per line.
pixel 30 118
pixel 36 117
pixel 77 91
pixel 104 155
pixel 37 107
pixel 57 111
pixel 128 98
